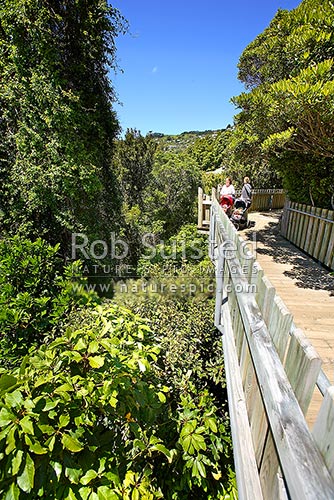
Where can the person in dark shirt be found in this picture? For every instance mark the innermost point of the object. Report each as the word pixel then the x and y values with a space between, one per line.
pixel 246 193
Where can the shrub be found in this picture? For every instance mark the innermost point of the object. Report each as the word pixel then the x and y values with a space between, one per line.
pixel 184 248
pixel 36 294
pixel 89 417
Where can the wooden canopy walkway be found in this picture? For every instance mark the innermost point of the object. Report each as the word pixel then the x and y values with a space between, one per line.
pixel 272 372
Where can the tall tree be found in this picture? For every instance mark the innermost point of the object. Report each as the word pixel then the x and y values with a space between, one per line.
pixel 286 118
pixel 57 122
pixel 133 162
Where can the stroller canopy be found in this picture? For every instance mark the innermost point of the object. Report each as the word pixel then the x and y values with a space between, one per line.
pixel 239 203
pixel 226 200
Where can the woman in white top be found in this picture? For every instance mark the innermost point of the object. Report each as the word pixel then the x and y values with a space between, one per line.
pixel 228 188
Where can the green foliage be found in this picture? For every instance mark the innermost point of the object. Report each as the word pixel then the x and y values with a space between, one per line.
pixel 211 180
pixel 36 294
pixel 171 196
pixel 89 416
pixel 159 190
pixel 176 296
pixel 56 119
pixel 186 246
pixel 286 120
pixel 83 412
pixel 133 162
pixel 209 151
pixel 181 142
pixel 293 41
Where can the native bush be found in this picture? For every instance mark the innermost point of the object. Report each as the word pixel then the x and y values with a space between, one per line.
pixel 36 294
pixel 176 296
pixel 184 247
pixel 90 416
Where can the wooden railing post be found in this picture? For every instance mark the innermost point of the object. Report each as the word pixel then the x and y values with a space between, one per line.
pixel 200 208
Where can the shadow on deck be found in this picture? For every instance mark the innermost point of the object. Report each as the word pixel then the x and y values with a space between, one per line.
pixel 306 272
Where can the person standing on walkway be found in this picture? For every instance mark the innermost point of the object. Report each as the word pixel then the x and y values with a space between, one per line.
pixel 246 192
pixel 228 188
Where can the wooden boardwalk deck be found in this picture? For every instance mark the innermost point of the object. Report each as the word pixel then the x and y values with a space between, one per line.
pixel 306 288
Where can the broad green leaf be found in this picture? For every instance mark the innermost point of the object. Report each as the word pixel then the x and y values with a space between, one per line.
pixel 6 382
pixel 63 421
pixel 10 440
pixel 13 493
pixel 57 467
pixel 26 479
pixel 194 469
pixel 211 423
pixel 106 344
pixel 105 493
pixel 42 380
pixel 198 442
pixel 6 417
pixel 88 477
pixel 129 479
pixel 113 402
pixel 187 445
pixel 93 347
pixel 64 388
pixel 27 425
pixel 162 397
pixel 46 429
pixel 73 474
pixel 96 361
pixel 189 428
pixel 16 462
pixel 71 443
pixel 111 476
pixel 51 442
pixel 163 449
pixel 84 492
pixel 35 447
pixel 93 496
pixel 14 399
pixel 80 345
pixel 76 356
pixel 137 443
pixel 50 404
pixel 201 468
pixel 71 495
pixel 200 430
pixel 135 494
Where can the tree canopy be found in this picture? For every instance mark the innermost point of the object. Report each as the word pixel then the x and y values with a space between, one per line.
pixel 56 118
pixel 286 117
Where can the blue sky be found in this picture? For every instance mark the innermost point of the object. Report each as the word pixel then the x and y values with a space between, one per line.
pixel 180 58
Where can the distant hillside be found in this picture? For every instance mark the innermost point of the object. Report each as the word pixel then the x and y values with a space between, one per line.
pixel 182 141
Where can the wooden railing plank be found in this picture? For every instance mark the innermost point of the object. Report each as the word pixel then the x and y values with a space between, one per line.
pixel 311 229
pixel 323 430
pixel 325 240
pixel 302 367
pixel 330 250
pixel 249 487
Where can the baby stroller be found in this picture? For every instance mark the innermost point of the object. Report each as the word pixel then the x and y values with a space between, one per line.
pixel 239 217
pixel 226 202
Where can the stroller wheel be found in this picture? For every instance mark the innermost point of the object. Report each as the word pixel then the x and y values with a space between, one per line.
pixel 236 225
